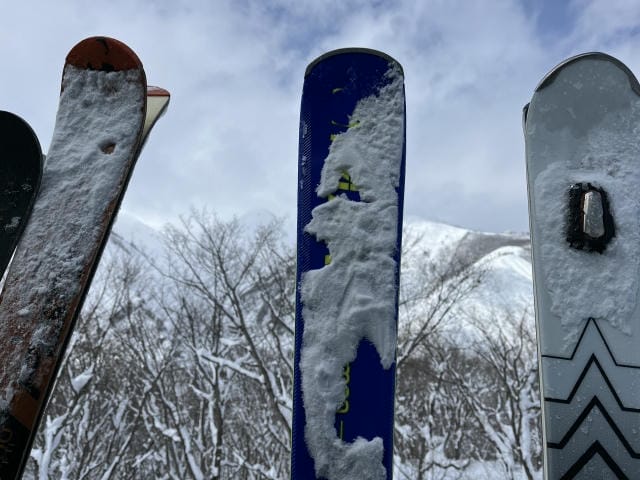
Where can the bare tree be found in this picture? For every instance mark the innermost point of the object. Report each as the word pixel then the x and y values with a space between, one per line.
pixel 431 289
pixel 467 387
pixel 233 308
pixel 182 367
pixel 502 391
pixel 433 428
pixel 91 428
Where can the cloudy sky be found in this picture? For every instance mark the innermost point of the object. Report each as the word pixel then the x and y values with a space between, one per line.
pixel 235 70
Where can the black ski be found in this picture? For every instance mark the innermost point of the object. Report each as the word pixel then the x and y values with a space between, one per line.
pixel 20 174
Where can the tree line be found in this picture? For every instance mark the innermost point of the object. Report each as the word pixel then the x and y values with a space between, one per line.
pixel 181 367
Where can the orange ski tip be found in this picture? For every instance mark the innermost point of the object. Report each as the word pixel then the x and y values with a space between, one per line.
pixel 157 92
pixel 103 53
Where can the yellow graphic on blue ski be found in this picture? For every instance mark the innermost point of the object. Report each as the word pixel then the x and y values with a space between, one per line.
pixel 583 171
pixel 350 198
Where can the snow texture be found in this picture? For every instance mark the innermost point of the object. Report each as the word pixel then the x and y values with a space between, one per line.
pixel 98 122
pixel 353 297
pixel 607 158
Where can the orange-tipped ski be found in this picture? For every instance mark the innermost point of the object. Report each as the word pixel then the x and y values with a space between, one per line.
pixel 103 53
pixel 97 138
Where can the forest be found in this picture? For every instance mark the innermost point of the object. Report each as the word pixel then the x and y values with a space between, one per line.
pixel 181 365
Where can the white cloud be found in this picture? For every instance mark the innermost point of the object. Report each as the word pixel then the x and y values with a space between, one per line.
pixel 235 70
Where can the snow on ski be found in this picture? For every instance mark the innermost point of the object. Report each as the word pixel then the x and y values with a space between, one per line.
pixel 583 170
pixel 20 173
pixel 350 197
pixel 97 138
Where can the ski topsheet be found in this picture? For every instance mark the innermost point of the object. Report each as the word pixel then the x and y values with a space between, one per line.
pixel 350 196
pixel 97 137
pixel 20 173
pixel 583 169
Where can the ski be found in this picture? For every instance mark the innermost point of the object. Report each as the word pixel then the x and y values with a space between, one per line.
pixel 98 135
pixel 157 103
pixel 582 152
pixel 20 173
pixel 350 198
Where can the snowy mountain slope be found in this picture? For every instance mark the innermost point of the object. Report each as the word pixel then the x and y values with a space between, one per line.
pixel 507 281
pixel 433 252
pixel 506 288
pixel 503 258
pixel 500 263
pixel 431 238
pixel 476 245
pixel 129 233
pixel 508 253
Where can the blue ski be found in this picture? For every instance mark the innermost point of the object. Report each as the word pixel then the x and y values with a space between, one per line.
pixel 350 199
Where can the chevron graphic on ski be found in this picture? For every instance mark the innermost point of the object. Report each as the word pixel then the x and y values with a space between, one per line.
pixel 98 135
pixel 20 174
pixel 594 399
pixel 350 197
pixel 583 172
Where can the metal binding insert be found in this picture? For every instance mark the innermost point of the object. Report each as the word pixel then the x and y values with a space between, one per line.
pixel 590 224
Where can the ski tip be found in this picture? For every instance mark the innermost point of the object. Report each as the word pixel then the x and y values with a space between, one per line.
pixel 16 129
pixel 103 53
pixel 12 118
pixel 350 50
pixel 18 136
pixel 551 76
pixel 157 92
pixel 157 103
